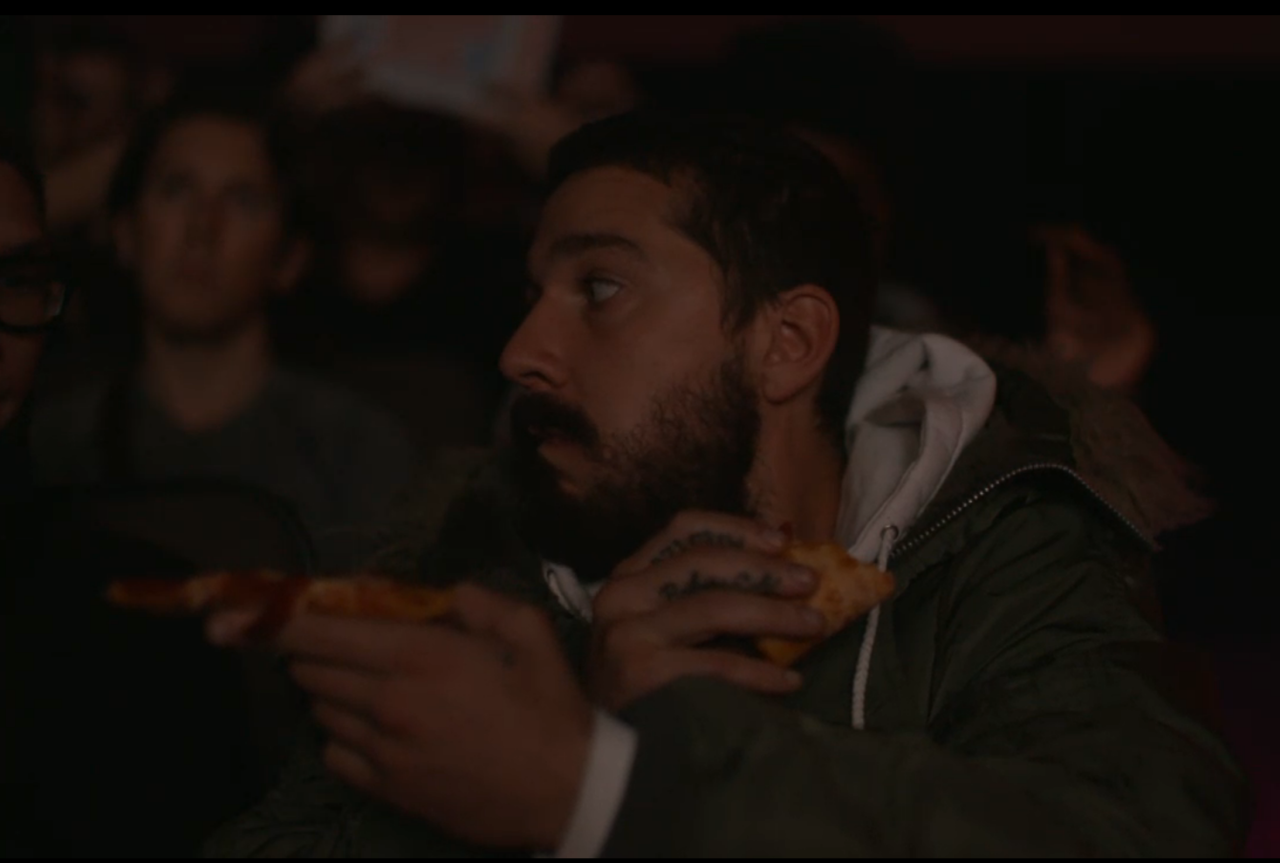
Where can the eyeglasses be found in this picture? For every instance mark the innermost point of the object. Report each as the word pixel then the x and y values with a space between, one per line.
pixel 32 296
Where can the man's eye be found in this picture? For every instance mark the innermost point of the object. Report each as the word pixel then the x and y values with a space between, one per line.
pixel 171 187
pixel 599 290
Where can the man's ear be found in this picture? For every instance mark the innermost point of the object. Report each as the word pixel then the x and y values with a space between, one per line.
pixel 124 235
pixel 800 333
pixel 293 264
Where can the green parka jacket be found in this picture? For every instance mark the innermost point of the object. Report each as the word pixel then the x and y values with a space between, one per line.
pixel 1019 698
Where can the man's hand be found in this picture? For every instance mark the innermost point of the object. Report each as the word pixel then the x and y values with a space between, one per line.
pixel 704 576
pixel 482 731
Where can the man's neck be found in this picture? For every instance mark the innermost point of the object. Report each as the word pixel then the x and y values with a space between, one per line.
pixel 799 479
pixel 202 385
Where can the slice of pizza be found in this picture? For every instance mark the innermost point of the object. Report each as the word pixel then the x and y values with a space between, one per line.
pixel 847 589
pixel 280 596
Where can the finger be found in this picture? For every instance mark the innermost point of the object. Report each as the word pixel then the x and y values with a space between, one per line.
pixel 371 645
pixel 518 626
pixel 748 672
pixel 230 628
pixel 696 529
pixel 347 727
pixel 699 570
pixel 757 675
pixel 695 619
pixel 350 766
pixel 355 690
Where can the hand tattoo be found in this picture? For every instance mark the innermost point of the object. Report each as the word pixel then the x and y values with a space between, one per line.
pixel 693 540
pixel 748 582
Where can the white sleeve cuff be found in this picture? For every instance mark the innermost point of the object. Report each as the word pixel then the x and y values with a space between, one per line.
pixel 604 784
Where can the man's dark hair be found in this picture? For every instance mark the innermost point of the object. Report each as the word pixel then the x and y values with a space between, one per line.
pixel 770 210
pixel 234 100
pixel 17 155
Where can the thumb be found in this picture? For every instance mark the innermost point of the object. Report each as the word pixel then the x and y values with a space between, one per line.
pixel 231 627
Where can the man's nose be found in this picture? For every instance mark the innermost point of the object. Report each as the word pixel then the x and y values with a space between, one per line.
pixel 204 221
pixel 535 355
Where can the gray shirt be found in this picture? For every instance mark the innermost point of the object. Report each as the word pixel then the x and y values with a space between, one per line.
pixel 337 460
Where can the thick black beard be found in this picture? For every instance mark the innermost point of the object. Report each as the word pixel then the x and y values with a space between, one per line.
pixel 695 452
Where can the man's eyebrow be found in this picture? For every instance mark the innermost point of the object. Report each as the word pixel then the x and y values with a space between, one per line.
pixel 573 244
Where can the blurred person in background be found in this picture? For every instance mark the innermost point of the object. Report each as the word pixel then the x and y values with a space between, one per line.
pixel 100 710
pixel 92 83
pixel 1092 316
pixel 422 220
pixel 205 223
pixel 406 301
pixel 31 300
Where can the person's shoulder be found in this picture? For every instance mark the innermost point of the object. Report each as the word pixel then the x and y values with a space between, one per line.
pixel 338 409
pixel 82 402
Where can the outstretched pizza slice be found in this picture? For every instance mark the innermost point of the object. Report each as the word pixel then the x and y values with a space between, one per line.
pixel 280 596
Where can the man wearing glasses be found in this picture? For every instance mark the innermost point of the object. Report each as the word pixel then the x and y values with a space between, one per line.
pixel 85 729
pixel 31 300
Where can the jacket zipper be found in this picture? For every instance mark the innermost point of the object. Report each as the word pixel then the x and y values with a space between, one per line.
pixel 919 537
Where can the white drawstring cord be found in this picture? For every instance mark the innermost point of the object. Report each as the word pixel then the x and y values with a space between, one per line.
pixel 888 535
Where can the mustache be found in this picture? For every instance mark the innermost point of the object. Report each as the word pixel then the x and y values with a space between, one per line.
pixel 537 416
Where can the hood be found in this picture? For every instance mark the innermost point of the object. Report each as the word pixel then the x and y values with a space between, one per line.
pixel 934 423
pixel 915 451
pixel 920 401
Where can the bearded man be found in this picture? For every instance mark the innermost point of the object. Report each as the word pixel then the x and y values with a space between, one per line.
pixel 698 382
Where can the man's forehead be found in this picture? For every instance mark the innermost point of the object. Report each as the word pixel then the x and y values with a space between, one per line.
pixel 608 206
pixel 223 149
